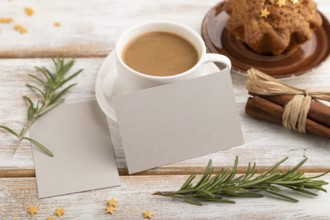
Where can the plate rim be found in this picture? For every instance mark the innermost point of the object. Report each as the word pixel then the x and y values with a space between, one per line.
pixel 99 94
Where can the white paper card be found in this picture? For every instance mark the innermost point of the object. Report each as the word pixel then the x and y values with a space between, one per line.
pixel 78 136
pixel 178 121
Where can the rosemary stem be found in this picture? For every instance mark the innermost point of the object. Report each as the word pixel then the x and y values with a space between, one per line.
pixel 22 135
pixel 219 186
pixel 166 193
pixel 49 91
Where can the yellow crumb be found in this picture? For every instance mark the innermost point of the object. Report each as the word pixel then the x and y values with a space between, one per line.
pixel 50 218
pixel 32 210
pixel 20 29
pixel 111 210
pixel 57 24
pixel 6 20
pixel 148 214
pixel 29 11
pixel 59 212
pixel 113 202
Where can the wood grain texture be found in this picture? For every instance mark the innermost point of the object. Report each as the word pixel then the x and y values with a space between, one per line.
pixel 265 143
pixel 135 196
pixel 90 29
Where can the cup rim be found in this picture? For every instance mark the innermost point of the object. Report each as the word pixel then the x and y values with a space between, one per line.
pixel 192 69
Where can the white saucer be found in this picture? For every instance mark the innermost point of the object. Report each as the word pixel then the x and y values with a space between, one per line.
pixel 109 67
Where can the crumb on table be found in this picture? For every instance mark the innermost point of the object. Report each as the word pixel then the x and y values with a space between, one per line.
pixel 112 202
pixel 29 11
pixel 59 212
pixel 6 20
pixel 110 210
pixel 20 29
pixel 57 24
pixel 32 210
pixel 148 214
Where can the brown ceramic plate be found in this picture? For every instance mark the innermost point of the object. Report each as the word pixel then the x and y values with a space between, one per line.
pixel 300 61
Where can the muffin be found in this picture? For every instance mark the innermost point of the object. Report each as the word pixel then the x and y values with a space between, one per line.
pixel 272 26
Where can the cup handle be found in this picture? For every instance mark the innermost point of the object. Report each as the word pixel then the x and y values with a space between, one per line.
pixel 218 58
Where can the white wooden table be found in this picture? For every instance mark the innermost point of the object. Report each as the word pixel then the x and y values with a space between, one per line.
pixel 88 32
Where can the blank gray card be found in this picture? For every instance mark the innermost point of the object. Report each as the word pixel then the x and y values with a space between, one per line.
pixel 78 136
pixel 178 121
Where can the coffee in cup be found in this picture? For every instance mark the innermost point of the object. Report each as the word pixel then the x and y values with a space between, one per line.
pixel 160 54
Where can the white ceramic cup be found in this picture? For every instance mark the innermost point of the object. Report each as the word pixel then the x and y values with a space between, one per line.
pixel 135 80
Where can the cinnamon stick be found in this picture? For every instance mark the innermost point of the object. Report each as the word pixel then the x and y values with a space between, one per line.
pixel 318 112
pixel 251 110
pixel 276 111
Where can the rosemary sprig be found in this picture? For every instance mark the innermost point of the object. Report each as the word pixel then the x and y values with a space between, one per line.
pixel 226 183
pixel 48 88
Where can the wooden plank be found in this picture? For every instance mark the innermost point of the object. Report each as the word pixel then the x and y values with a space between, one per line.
pixel 166 170
pixel 135 195
pixel 265 143
pixel 90 28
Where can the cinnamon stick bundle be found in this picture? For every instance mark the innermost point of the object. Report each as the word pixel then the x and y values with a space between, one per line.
pixel 283 104
pixel 318 111
pixel 261 108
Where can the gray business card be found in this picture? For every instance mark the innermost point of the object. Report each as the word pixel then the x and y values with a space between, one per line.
pixel 178 121
pixel 78 136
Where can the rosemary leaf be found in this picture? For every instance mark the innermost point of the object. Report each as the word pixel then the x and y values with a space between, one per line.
pixel 220 200
pixel 36 89
pixel 192 201
pixel 302 191
pixel 9 130
pixel 63 92
pixel 71 77
pixel 288 198
pixel 37 79
pixel 295 167
pixel 50 107
pixel 40 146
pixel 42 71
pixel 189 180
